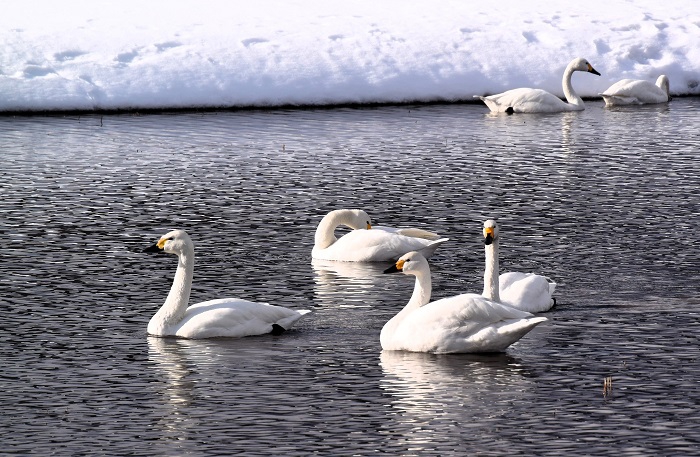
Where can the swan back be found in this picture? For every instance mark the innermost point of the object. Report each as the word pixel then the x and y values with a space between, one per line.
pixel 637 92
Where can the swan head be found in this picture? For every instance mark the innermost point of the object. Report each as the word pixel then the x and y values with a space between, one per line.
pixel 357 219
pixel 490 232
pixel 412 263
pixel 174 242
pixel 663 82
pixel 581 64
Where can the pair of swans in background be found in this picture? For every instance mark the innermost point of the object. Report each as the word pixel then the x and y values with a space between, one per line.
pixel 468 322
pixel 625 92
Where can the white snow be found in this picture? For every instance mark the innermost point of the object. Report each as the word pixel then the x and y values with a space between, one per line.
pixel 127 54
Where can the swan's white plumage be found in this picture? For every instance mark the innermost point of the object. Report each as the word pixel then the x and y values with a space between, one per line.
pixel 226 317
pixel 366 243
pixel 637 92
pixel 525 291
pixel 466 323
pixel 526 100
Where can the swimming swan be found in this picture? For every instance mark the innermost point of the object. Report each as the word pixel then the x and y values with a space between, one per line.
pixel 539 101
pixel 637 92
pixel 226 317
pixel 366 243
pixel 524 291
pixel 461 323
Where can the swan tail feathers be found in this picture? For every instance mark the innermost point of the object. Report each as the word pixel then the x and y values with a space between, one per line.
pixel 430 248
pixel 418 233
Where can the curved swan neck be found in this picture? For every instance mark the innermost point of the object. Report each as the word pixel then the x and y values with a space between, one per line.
pixel 173 310
pixel 325 232
pixel 569 92
pixel 491 272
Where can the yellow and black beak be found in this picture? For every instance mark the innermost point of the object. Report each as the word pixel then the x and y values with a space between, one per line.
pixel 398 266
pixel 592 70
pixel 369 226
pixel 489 235
pixel 156 248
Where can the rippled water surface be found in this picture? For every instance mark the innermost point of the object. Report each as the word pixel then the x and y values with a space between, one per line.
pixel 604 201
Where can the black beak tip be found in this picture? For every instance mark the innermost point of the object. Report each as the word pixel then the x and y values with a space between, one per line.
pixel 153 249
pixel 595 72
pixel 488 240
pixel 392 269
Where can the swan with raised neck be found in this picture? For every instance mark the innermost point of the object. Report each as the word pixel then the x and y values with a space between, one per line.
pixel 527 100
pixel 525 291
pixel 461 323
pixel 227 317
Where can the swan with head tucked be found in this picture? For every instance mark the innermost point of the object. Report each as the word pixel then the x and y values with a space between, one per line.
pixel 226 317
pixel 637 92
pixel 458 324
pixel 526 100
pixel 366 243
pixel 525 291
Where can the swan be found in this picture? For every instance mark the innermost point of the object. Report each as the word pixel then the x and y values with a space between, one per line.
pixel 525 291
pixel 366 243
pixel 461 323
pixel 527 100
pixel 226 317
pixel 637 92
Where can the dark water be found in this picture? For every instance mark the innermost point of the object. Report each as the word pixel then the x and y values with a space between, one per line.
pixel 604 201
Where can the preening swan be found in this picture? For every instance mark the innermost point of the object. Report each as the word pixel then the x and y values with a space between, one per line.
pixel 366 243
pixel 462 323
pixel 226 317
pixel 637 92
pixel 525 291
pixel 527 100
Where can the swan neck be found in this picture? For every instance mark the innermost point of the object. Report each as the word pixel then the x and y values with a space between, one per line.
pixel 569 92
pixel 421 291
pixel 491 272
pixel 325 232
pixel 173 310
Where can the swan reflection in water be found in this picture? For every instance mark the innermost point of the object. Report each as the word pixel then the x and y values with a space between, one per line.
pixel 433 392
pixel 346 284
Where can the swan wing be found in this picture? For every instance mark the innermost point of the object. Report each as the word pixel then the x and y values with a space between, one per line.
pixel 411 232
pixel 526 291
pixel 232 317
pixel 462 323
pixel 375 246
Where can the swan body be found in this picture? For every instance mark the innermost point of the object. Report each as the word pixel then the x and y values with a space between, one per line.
pixel 526 100
pixel 525 291
pixel 226 317
pixel 366 243
pixel 637 92
pixel 467 323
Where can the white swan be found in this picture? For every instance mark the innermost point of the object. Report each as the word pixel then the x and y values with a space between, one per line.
pixel 527 100
pixel 462 323
pixel 637 92
pixel 525 291
pixel 366 243
pixel 226 317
